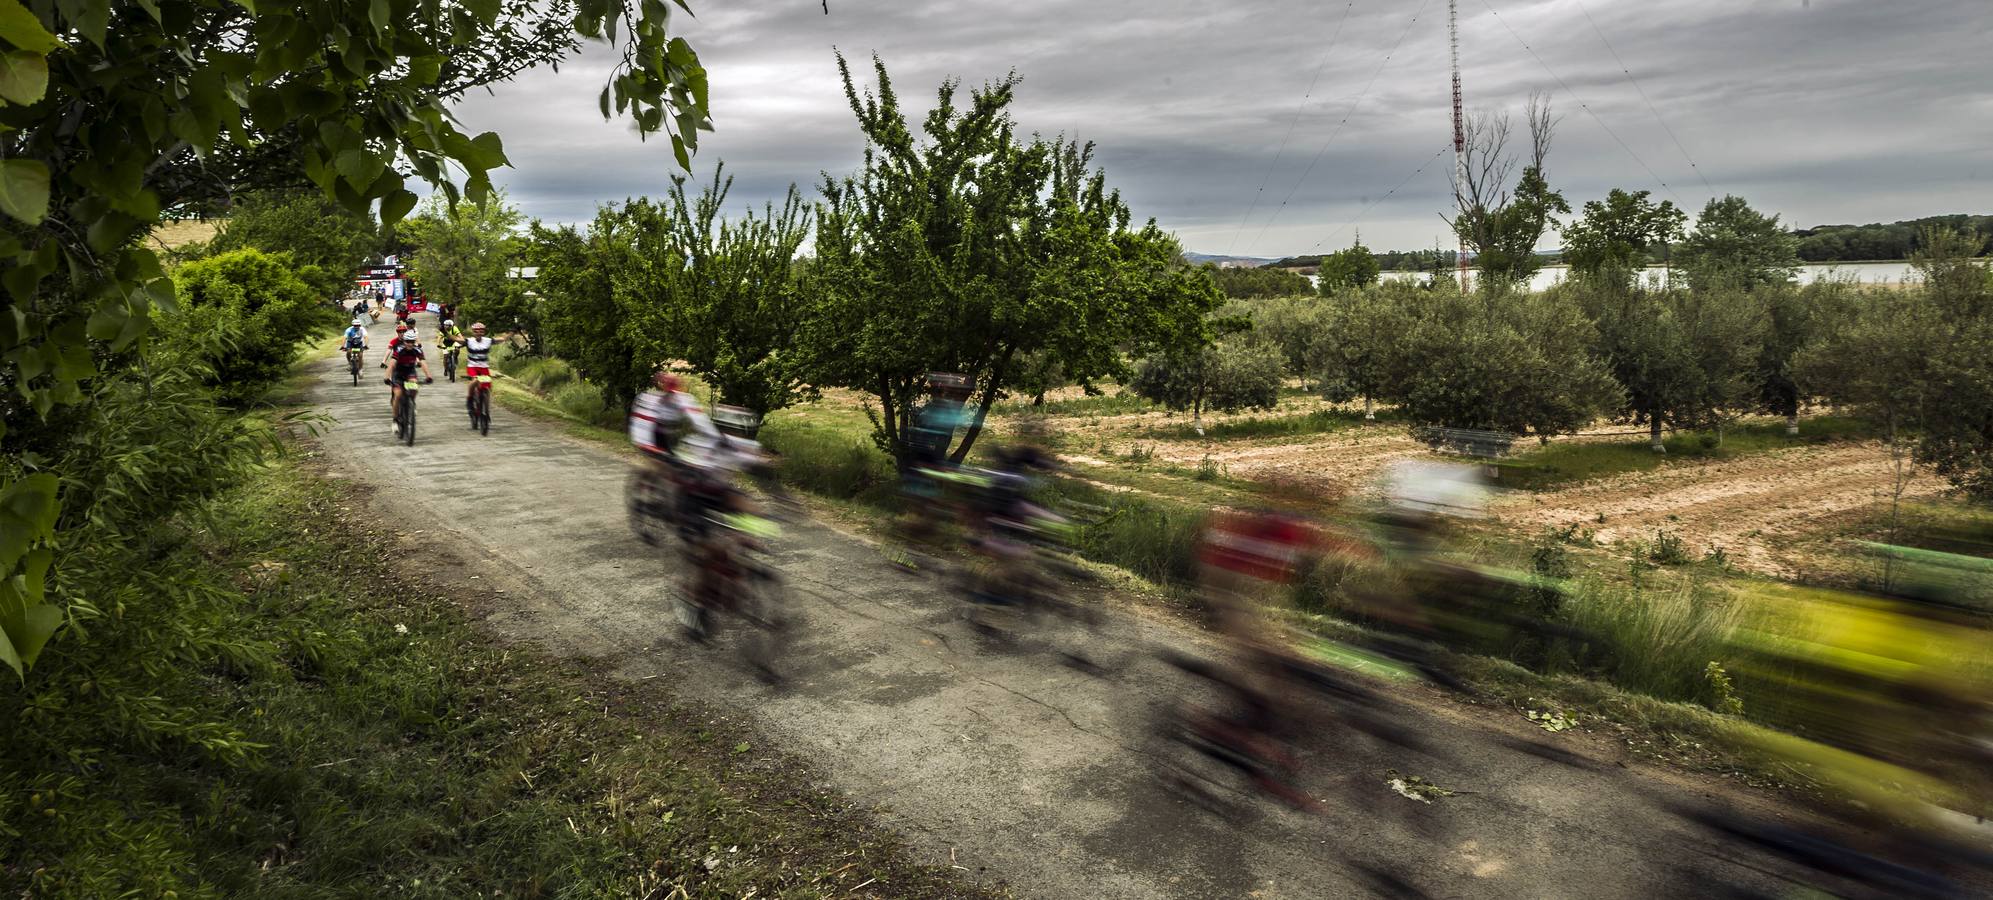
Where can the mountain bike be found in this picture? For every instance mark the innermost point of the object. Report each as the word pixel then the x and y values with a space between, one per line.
pixel 404 414
pixel 353 362
pixel 450 364
pixel 481 405
pixel 652 498
pixel 732 574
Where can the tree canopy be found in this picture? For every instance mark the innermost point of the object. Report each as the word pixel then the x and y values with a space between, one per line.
pixel 970 250
pixel 1738 247
pixel 1616 233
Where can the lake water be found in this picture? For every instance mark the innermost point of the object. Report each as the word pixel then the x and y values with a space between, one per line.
pixel 1865 273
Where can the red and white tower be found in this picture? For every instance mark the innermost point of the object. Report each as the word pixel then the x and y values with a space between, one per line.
pixel 1459 125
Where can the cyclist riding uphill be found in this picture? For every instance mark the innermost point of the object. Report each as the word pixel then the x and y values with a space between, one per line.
pixel 405 352
pixel 477 359
pixel 448 334
pixel 356 335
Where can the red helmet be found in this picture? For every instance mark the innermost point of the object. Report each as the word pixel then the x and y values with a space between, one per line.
pixel 665 381
pixel 400 326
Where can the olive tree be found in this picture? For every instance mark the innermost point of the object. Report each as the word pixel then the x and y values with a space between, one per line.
pixel 1238 372
pixel 1518 363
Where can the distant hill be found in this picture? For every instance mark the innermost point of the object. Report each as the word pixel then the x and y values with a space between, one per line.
pixel 1244 262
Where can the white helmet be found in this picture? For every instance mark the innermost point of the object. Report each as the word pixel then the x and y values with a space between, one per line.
pixel 360 321
pixel 449 323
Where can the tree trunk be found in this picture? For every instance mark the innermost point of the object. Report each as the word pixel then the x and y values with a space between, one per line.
pixel 1792 424
pixel 1039 399
pixel 890 425
pixel 997 374
pixel 1654 434
pixel 1369 415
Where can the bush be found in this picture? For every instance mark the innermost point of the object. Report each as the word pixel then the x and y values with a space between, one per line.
pixel 829 463
pixel 248 311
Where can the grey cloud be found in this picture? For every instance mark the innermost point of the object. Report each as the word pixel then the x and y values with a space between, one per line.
pixel 1828 110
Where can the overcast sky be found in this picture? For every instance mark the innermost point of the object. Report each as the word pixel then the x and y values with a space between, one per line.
pixel 1823 111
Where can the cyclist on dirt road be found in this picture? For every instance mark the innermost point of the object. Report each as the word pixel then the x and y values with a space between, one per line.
pixel 406 354
pixel 356 334
pixel 477 360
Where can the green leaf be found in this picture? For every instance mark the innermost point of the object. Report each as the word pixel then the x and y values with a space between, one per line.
pixel 397 205
pixel 24 189
pixel 27 516
pixel 485 10
pixel 379 14
pixel 491 151
pixel 92 18
pixel 108 321
pixel 20 28
pixel 23 77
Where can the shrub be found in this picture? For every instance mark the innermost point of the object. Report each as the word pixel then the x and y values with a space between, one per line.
pixel 257 307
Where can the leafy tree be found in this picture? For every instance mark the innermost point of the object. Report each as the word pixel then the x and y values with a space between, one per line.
pixel 1297 326
pixel 271 310
pixel 1243 283
pixel 1957 400
pixel 1342 270
pixel 1520 363
pixel 113 114
pixel 1615 234
pixel 969 251
pixel 1735 246
pixel 464 252
pixel 1238 372
pixel 1503 226
pixel 1898 240
pixel 579 315
pixel 1685 358
pixel 1361 348
pixel 725 296
pixel 326 241
pixel 1792 320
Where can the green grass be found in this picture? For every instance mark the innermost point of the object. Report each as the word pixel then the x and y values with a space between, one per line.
pixel 1568 462
pixel 338 730
pixel 1120 402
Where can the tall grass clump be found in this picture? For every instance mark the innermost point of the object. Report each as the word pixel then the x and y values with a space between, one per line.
pixel 584 401
pixel 1657 641
pixel 1155 541
pixel 830 463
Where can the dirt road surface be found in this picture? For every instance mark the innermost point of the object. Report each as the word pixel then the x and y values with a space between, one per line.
pixel 1004 762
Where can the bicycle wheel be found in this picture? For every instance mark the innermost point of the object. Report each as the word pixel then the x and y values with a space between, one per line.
pixel 408 400
pixel 353 362
pixel 764 609
pixel 450 368
pixel 483 412
pixel 648 504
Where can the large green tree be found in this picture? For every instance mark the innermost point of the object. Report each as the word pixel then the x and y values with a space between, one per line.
pixel 1519 363
pixel 326 241
pixel 1685 358
pixel 464 253
pixel 1614 235
pixel 724 295
pixel 970 250
pixel 112 114
pixel 1735 246
pixel 1350 268
pixel 578 316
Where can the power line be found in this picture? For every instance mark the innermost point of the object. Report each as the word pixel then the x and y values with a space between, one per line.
pixel 1340 123
pixel 1290 126
pixel 1581 103
pixel 1643 96
pixel 1387 195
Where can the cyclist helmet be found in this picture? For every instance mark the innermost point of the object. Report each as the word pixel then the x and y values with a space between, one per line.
pixel 360 321
pixel 400 327
pixel 477 326
pixel 449 323
pixel 666 382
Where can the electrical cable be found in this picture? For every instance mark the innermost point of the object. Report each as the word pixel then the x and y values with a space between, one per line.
pixel 1643 96
pixel 1290 126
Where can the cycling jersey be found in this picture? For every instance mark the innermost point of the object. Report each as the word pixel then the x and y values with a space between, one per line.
pixel 356 336
pixel 406 355
pixel 477 351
